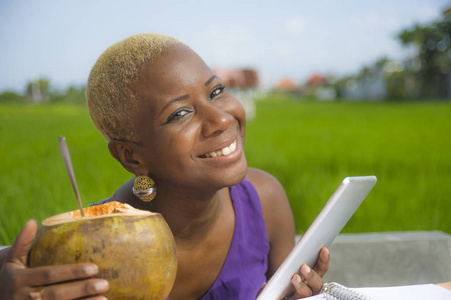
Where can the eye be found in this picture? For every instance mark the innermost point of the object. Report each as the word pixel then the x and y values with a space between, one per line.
pixel 217 91
pixel 178 114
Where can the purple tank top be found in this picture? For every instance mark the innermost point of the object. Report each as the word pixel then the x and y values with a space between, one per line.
pixel 244 269
pixel 243 272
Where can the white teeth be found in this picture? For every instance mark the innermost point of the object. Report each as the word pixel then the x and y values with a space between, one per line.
pixel 223 152
pixel 232 147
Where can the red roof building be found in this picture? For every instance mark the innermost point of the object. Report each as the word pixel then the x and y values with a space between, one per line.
pixel 315 80
pixel 286 84
pixel 238 78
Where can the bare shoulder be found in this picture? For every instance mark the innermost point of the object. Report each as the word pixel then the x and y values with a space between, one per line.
pixel 265 184
pixel 272 194
pixel 3 253
pixel 124 193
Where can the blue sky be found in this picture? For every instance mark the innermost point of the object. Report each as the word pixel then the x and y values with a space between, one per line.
pixel 61 40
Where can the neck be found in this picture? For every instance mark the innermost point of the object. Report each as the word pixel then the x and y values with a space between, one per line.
pixel 190 216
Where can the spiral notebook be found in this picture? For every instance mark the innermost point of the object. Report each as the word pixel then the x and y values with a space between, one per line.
pixel 335 291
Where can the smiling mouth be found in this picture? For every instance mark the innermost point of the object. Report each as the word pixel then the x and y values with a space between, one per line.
pixel 223 152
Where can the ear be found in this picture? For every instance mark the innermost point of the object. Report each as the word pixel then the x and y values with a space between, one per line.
pixel 124 153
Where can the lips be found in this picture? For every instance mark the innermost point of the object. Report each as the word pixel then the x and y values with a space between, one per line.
pixel 222 152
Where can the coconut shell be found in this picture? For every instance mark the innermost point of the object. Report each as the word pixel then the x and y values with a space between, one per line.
pixel 134 250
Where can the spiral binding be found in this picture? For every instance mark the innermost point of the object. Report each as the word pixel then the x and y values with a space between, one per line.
pixel 335 291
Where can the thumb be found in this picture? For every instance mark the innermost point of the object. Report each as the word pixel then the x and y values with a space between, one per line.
pixel 19 251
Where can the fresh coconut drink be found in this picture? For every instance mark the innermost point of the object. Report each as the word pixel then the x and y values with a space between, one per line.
pixel 134 249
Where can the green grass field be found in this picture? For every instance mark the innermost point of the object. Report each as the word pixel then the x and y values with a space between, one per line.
pixel 309 146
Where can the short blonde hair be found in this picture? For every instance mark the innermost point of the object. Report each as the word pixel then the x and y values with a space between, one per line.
pixel 111 89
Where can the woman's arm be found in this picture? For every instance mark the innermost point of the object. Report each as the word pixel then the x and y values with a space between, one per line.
pixel 281 233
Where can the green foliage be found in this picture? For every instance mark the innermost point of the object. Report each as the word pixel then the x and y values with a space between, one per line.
pixel 396 89
pixel 72 95
pixel 424 76
pixel 41 90
pixel 309 146
pixel 11 98
pixel 433 42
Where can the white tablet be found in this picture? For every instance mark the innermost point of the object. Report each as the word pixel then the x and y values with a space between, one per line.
pixel 324 229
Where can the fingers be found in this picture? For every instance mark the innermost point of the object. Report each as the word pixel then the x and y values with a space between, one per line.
pixel 96 298
pixel 75 290
pixel 312 279
pixel 54 282
pixel 311 285
pixel 48 275
pixel 322 264
pixel 19 250
pixel 302 290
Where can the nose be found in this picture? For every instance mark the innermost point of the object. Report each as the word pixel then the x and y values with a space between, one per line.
pixel 215 119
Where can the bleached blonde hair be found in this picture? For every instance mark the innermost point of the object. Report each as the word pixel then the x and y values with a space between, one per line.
pixel 111 90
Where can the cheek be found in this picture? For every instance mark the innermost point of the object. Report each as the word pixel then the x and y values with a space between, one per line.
pixel 239 114
pixel 175 146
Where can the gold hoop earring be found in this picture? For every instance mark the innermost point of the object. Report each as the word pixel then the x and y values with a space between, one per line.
pixel 144 188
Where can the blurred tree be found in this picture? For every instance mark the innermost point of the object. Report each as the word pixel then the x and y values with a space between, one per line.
pixel 433 44
pixel 73 94
pixel 38 90
pixel 11 98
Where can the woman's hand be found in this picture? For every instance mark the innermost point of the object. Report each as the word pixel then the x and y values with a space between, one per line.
pixel 312 283
pixel 17 281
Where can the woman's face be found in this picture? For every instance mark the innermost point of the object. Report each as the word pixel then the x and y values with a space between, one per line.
pixel 191 127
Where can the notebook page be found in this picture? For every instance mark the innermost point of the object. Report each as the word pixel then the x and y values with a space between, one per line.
pixel 411 292
pixel 408 292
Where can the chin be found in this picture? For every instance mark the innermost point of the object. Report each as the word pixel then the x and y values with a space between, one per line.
pixel 236 179
pixel 235 176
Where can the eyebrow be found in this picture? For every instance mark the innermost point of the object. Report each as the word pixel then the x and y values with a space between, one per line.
pixel 179 98
pixel 210 80
pixel 186 96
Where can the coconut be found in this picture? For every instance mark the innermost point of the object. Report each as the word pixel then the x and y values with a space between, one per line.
pixel 134 249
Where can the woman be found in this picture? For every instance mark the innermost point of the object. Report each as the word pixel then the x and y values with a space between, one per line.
pixel 170 121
